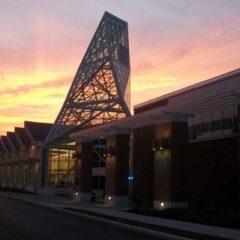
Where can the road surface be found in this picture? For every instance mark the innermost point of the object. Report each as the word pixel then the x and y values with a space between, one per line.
pixel 23 221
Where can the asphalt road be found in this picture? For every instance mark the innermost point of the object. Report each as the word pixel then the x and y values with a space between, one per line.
pixel 22 221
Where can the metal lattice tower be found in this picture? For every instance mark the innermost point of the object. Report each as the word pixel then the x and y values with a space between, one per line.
pixel 100 90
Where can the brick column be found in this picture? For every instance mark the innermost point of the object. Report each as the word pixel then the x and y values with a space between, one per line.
pixel 170 180
pixel 43 168
pixel 117 169
pixel 143 165
pixel 238 167
pixel 83 171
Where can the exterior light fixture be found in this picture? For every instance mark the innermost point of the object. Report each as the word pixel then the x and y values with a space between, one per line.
pixel 162 204
pixel 104 153
pixel 76 155
pixel 109 198
pixel 130 178
pixel 154 145
pixel 76 193
pixel 107 152
pixel 160 144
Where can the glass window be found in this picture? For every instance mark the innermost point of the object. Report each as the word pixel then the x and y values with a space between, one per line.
pixel 206 124
pixel 98 157
pixel 235 118
pixel 63 161
pixel 61 168
pixel 98 182
pixel 52 179
pixel 190 128
pixel 71 179
pixel 217 122
pixel 101 182
pixel 227 119
pixel 197 122
pixel 95 182
pixel 216 125
pixel 53 160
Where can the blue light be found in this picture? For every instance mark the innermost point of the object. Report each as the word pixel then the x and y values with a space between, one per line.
pixel 130 178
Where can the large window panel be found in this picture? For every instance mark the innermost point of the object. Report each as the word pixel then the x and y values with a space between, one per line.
pixel 52 179
pixel 61 168
pixel 206 124
pixel 53 167
pixel 190 128
pixel 217 122
pixel 227 123
pixel 197 128
pixel 63 161
pixel 235 118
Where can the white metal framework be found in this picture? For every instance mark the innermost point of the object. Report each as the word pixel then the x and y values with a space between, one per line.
pixel 100 90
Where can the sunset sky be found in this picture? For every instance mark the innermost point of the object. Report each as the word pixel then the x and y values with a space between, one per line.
pixel 172 44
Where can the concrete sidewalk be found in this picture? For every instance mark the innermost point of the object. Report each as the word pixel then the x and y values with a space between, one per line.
pixel 65 202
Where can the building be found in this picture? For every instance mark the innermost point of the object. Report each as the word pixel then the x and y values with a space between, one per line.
pixel 99 93
pixel 184 149
pixel 178 150
pixel 20 156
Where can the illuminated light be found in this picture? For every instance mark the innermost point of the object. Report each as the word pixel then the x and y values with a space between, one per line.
pixel 109 198
pixel 76 193
pixel 160 144
pixel 162 204
pixel 130 178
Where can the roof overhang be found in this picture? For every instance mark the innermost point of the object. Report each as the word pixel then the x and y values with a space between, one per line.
pixel 125 126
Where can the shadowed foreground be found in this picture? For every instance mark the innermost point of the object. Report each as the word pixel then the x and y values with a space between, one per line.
pixel 22 221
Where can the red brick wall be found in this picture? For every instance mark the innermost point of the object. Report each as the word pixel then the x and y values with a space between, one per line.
pixel 212 168
pixel 117 166
pixel 143 165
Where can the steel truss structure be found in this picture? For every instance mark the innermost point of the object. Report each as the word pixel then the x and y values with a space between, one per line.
pixel 100 90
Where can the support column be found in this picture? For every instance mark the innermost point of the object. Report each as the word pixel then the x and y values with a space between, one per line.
pixel 238 166
pixel 170 182
pixel 143 166
pixel 117 169
pixel 43 168
pixel 83 170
